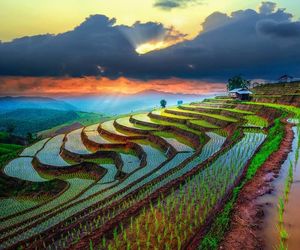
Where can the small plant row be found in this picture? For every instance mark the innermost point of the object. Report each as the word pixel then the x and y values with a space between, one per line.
pixel 275 135
pixel 175 217
pixel 283 199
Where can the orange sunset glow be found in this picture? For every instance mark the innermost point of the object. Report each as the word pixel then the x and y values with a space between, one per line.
pixel 93 86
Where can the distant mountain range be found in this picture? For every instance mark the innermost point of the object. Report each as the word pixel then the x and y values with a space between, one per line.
pixel 9 103
pixel 113 104
pixel 120 104
pixel 162 93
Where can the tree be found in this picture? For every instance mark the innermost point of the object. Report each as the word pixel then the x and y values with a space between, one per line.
pixel 237 82
pixel 163 103
pixel 10 128
pixel 29 137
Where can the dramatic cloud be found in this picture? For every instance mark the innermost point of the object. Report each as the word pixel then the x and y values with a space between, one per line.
pixel 150 32
pixel 255 44
pixel 95 47
pixel 279 29
pixel 263 44
pixel 171 4
pixel 215 20
pixel 267 8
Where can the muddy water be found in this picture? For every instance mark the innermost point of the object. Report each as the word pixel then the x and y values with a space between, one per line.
pixel 291 215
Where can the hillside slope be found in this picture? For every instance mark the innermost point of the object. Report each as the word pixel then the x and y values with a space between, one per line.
pixel 23 121
pixel 9 103
pixel 282 93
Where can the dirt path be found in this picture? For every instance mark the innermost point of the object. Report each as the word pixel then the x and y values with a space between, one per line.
pixel 247 215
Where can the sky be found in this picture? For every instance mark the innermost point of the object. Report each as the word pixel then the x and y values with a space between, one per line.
pixel 31 17
pixel 48 46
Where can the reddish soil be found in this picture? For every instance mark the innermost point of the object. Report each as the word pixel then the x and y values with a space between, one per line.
pixel 247 215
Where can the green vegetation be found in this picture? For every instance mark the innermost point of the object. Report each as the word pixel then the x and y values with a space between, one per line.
pixel 34 120
pixel 101 161
pixel 9 148
pixel 255 121
pixel 163 103
pixel 166 134
pixel 24 121
pixel 4 135
pixel 288 108
pixel 221 223
pixel 147 119
pixel 239 111
pixel 237 82
pixel 204 124
pixel 83 118
pixel 186 112
pixel 178 215
pixel 283 234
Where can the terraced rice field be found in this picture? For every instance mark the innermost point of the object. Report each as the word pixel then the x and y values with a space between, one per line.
pixel 256 121
pixel 109 126
pixel 138 182
pixel 93 135
pixel 50 153
pixel 125 121
pixel 131 162
pixel 22 168
pixel 33 149
pixel 12 206
pixel 189 113
pixel 74 143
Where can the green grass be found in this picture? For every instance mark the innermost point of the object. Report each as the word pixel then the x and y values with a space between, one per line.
pixel 216 116
pixel 87 119
pixel 163 113
pixel 9 148
pixel 292 109
pixel 4 136
pixel 204 124
pixel 26 121
pixel 84 118
pixel 174 124
pixel 256 121
pixel 221 132
pixel 226 109
pixel 100 161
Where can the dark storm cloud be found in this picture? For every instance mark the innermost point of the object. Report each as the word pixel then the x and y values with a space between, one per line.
pixel 171 4
pixel 279 29
pixel 262 44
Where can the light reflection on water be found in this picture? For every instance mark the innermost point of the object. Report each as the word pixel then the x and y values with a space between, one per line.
pixel 291 217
